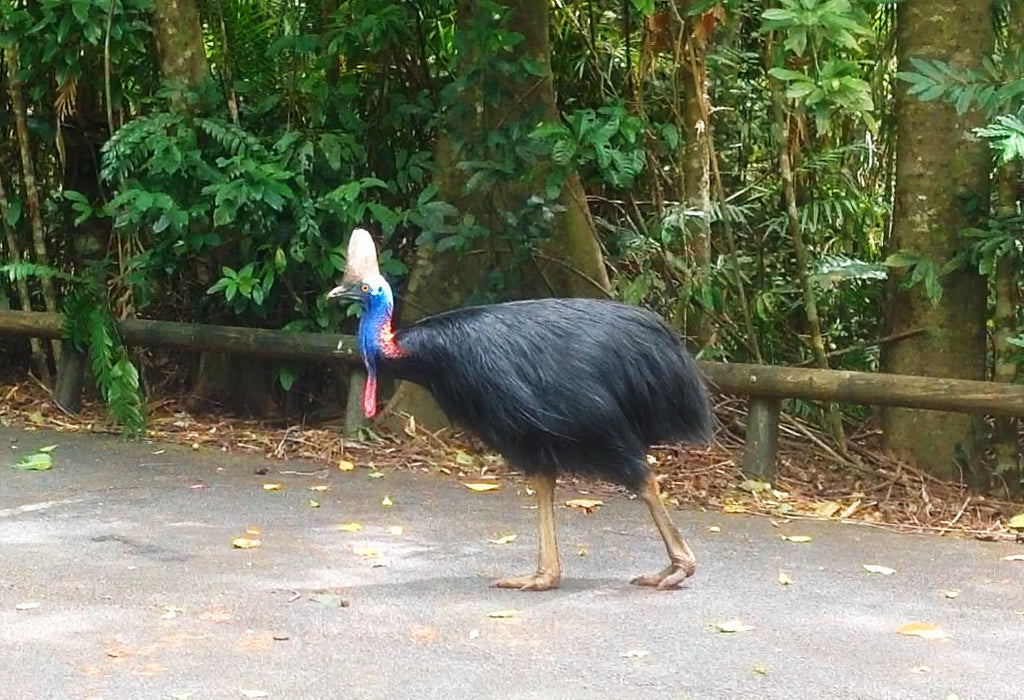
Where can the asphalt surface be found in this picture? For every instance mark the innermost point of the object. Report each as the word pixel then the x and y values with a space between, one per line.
pixel 118 579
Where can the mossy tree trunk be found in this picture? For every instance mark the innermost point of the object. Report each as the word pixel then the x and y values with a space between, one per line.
pixel 940 165
pixel 569 263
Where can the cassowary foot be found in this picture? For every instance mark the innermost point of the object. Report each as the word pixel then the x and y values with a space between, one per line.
pixel 539 581
pixel 670 577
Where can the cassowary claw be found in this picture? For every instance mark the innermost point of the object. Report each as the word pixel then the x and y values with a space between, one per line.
pixel 669 578
pixel 540 581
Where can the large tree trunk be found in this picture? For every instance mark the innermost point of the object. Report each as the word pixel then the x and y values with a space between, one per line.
pixel 569 264
pixel 938 163
pixel 1006 292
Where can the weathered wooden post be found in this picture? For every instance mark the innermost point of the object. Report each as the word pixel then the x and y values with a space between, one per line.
pixel 761 447
pixel 354 416
pixel 67 390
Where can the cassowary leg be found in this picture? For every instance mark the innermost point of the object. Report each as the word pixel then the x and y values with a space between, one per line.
pixel 549 568
pixel 683 563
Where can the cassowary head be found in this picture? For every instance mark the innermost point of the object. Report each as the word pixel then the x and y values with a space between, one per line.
pixel 362 280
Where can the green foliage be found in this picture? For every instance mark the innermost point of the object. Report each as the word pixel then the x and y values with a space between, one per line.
pixel 1006 136
pixel 89 326
pixel 990 89
pixel 918 270
pixel 608 139
pixel 831 84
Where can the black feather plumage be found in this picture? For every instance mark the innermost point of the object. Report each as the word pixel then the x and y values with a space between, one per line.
pixel 560 384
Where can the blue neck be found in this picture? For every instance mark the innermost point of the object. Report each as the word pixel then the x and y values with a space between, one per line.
pixel 375 325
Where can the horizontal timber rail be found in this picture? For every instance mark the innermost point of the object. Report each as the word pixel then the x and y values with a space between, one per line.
pixel 258 342
pixel 765 385
pixel 867 388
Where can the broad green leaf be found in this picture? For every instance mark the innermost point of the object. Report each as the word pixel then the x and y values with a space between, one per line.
pixel 35 462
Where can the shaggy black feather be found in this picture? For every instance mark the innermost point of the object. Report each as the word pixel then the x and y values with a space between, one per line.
pixel 560 384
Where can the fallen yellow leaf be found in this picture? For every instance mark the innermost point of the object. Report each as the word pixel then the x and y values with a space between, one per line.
pixel 1016 522
pixel 848 511
pixel 480 487
pixel 313 503
pixel 800 539
pixel 785 579
pixel 878 569
pixel 730 626
pixel 754 486
pixel 366 550
pixel 587 505
pixel 502 614
pixel 345 465
pixel 464 459
pixel 387 502
pixel 396 530
pixel 271 487
pixel 376 475
pixel 320 487
pixel 951 593
pixel 827 509
pixel 714 528
pixel 171 611
pixel 507 539
pixel 924 630
pixel 350 527
pixel 732 507
pixel 245 543
pixel 760 669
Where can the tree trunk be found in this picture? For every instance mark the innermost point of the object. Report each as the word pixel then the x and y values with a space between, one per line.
pixel 179 42
pixel 1006 290
pixel 220 379
pixel 938 162
pixel 695 175
pixel 31 190
pixel 40 360
pixel 787 154
pixel 570 263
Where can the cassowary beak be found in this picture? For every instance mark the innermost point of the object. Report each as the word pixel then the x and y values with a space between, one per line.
pixel 345 291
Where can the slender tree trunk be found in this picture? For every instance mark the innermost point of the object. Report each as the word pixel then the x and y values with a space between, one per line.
pixel 938 162
pixel 691 65
pixel 40 361
pixel 786 157
pixel 569 264
pixel 31 190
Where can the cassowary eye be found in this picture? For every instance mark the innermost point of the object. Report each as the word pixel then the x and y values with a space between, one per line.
pixel 365 287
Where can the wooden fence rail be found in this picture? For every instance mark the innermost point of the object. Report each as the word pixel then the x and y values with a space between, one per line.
pixel 765 385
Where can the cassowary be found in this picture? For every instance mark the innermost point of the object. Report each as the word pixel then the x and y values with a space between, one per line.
pixel 553 385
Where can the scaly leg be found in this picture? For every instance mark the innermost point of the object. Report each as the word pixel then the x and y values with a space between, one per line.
pixel 549 568
pixel 683 563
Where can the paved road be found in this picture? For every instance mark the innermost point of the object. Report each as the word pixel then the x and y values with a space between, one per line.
pixel 126 549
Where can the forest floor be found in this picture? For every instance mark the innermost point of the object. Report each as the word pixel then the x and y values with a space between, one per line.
pixel 816 481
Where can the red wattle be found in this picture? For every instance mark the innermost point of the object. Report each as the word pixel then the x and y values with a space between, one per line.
pixel 370 396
